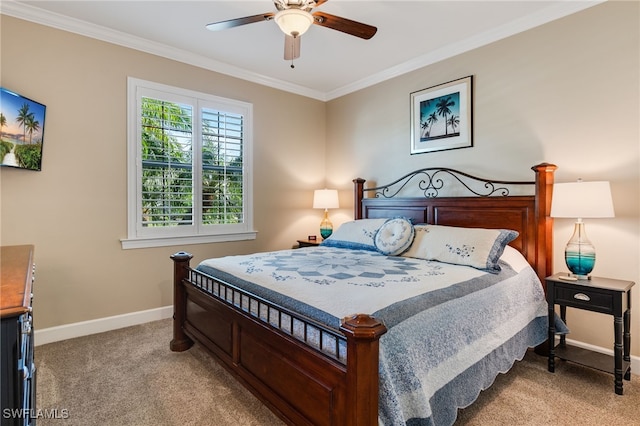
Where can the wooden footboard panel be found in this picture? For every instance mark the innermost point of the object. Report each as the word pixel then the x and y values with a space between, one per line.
pixel 279 371
pixel 299 383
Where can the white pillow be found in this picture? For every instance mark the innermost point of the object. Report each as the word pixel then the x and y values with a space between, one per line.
pixel 476 247
pixel 394 237
pixel 356 234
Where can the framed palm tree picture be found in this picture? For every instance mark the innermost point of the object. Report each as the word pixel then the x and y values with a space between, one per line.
pixel 442 117
pixel 21 131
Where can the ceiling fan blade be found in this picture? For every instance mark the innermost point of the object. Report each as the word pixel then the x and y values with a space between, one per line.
pixel 223 25
pixel 320 2
pixel 291 47
pixel 345 25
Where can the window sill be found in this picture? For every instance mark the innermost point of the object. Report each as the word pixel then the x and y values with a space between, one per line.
pixel 136 243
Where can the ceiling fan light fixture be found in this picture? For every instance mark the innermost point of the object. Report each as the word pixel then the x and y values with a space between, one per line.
pixel 294 22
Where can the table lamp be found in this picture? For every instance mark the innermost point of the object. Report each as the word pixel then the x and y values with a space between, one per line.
pixel 325 199
pixel 581 200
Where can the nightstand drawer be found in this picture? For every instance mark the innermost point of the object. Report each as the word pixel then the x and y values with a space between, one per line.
pixel 588 299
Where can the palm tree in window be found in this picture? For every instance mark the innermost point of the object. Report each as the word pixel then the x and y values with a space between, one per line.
pixel 166 164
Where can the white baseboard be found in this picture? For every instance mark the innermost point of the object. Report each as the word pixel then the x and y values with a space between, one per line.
pixel 85 328
pixel 635 360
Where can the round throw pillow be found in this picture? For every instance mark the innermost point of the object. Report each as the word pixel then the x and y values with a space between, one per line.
pixel 394 237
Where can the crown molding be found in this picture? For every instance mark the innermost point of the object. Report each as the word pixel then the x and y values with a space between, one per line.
pixel 76 26
pixel 33 14
pixel 551 13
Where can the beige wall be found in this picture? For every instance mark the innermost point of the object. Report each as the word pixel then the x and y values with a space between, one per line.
pixel 74 210
pixel 566 93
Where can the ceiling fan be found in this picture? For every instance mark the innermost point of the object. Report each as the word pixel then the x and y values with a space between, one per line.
pixel 294 18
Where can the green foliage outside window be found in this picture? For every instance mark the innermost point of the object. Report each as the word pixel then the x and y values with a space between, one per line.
pixel 222 180
pixel 167 166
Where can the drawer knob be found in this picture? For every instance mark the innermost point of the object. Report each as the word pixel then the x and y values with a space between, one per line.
pixel 581 296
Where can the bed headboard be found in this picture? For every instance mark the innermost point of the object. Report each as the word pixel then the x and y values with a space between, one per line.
pixel 491 206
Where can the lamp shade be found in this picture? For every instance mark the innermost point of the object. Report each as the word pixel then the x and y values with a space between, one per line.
pixel 325 199
pixel 294 22
pixel 582 199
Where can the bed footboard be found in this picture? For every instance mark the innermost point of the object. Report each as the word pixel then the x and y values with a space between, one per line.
pixel 301 383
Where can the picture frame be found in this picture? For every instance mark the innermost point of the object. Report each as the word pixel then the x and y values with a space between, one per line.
pixel 442 117
pixel 21 131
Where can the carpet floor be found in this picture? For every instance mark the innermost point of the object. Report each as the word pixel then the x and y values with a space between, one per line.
pixel 130 377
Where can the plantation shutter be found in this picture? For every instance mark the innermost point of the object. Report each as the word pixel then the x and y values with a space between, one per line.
pixel 189 162
pixel 222 167
pixel 167 164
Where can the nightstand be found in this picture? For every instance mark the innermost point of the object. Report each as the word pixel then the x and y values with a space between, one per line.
pixel 604 295
pixel 308 243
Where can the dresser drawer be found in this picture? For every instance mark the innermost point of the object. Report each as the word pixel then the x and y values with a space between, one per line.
pixel 589 299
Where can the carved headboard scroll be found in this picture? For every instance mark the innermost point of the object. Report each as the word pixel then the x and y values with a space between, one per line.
pixel 488 203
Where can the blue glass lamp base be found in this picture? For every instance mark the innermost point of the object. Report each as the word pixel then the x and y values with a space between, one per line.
pixel 326 227
pixel 325 233
pixel 580 254
pixel 580 265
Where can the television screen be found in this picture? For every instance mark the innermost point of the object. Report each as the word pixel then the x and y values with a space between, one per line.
pixel 21 131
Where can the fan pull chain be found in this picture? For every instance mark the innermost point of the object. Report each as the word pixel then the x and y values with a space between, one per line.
pixel 293 47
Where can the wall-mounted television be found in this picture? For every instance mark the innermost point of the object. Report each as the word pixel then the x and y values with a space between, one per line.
pixel 21 131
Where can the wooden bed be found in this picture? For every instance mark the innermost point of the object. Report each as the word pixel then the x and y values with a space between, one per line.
pixel 304 386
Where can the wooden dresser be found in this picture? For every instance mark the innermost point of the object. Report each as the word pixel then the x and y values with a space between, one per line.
pixel 17 368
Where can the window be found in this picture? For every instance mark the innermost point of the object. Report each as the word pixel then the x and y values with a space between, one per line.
pixel 189 159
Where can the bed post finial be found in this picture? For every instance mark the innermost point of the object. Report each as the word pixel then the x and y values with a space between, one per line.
pixel 180 341
pixel 363 334
pixel 544 191
pixel 358 194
